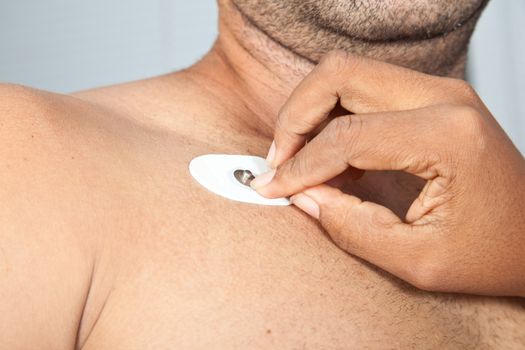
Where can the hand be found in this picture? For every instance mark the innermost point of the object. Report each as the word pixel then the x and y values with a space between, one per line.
pixel 466 230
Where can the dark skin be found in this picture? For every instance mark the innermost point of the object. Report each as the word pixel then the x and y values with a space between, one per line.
pixel 364 87
pixel 435 128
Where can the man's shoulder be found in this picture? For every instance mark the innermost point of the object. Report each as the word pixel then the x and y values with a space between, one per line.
pixel 18 100
pixel 24 110
pixel 20 105
pixel 37 252
pixel 35 129
pixel 50 145
pixel 59 148
pixel 28 119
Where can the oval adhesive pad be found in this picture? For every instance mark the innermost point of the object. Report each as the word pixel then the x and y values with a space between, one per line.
pixel 216 173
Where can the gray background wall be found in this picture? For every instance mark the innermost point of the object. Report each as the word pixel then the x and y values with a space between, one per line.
pixel 70 45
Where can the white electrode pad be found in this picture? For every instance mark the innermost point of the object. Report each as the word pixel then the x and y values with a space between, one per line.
pixel 216 173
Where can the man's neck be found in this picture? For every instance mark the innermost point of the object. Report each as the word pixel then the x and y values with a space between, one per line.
pixel 253 74
pixel 256 72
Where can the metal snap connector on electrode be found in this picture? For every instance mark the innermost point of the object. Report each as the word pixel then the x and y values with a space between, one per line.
pixel 227 175
pixel 245 177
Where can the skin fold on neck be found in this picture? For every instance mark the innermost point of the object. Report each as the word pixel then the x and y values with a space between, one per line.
pixel 252 69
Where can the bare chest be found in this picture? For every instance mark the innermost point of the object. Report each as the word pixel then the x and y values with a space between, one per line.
pixel 182 268
pixel 217 274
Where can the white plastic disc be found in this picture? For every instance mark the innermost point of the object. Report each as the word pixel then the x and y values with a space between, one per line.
pixel 215 173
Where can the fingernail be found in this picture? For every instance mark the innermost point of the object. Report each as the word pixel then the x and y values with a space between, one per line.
pixel 262 180
pixel 306 204
pixel 271 154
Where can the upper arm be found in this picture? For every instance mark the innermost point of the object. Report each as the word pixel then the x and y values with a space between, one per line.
pixel 44 268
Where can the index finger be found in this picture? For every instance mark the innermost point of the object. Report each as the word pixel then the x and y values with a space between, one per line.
pixel 404 140
pixel 361 85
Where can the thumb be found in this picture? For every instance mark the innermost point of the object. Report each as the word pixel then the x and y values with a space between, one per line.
pixel 365 229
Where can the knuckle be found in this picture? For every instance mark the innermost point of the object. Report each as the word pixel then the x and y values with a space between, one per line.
pixel 338 130
pixel 429 274
pixel 432 159
pixel 282 130
pixel 464 124
pixel 294 168
pixel 287 112
pixel 471 117
pixel 287 116
pixel 429 162
pixel 343 133
pixel 462 90
pixel 290 124
pixel 466 90
pixel 470 123
pixel 282 117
